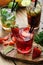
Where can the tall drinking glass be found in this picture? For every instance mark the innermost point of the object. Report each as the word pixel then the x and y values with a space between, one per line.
pixel 8 18
pixel 34 14
pixel 24 39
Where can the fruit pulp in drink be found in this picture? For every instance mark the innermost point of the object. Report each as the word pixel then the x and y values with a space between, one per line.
pixel 24 41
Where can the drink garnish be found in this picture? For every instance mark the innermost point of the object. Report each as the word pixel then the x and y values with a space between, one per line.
pixel 10 4
pixel 38 8
pixel 15 4
pixel 25 2
pixel 7 17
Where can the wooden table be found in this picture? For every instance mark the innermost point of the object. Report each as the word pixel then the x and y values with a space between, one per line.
pixel 22 22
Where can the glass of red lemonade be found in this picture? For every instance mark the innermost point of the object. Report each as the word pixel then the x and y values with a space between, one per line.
pixel 24 39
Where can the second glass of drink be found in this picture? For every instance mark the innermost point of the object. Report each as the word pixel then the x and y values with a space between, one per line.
pixel 34 14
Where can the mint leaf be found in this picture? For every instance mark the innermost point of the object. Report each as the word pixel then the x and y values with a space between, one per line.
pixel 3 19
pixel 39 38
pixel 8 24
pixel 3 11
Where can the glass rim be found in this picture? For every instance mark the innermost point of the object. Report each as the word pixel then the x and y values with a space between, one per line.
pixel 33 2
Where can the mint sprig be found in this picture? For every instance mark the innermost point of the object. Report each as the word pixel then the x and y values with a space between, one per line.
pixel 39 38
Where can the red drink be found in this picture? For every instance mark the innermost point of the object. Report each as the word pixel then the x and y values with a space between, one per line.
pixel 24 41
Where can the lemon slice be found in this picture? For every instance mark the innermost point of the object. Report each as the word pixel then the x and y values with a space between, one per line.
pixel 26 2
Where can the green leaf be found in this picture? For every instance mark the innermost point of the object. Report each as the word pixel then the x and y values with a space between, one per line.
pixel 8 24
pixel 11 17
pixel 3 11
pixel 36 39
pixel 3 19
pixel 10 5
pixel 39 38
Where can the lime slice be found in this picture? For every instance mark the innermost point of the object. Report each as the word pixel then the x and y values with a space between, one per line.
pixel 37 10
pixel 8 49
pixel 26 2
pixel 10 5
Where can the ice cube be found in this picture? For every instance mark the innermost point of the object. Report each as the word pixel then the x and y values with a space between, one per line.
pixel 25 34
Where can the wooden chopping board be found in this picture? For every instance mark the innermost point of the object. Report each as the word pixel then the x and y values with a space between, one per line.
pixel 14 55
